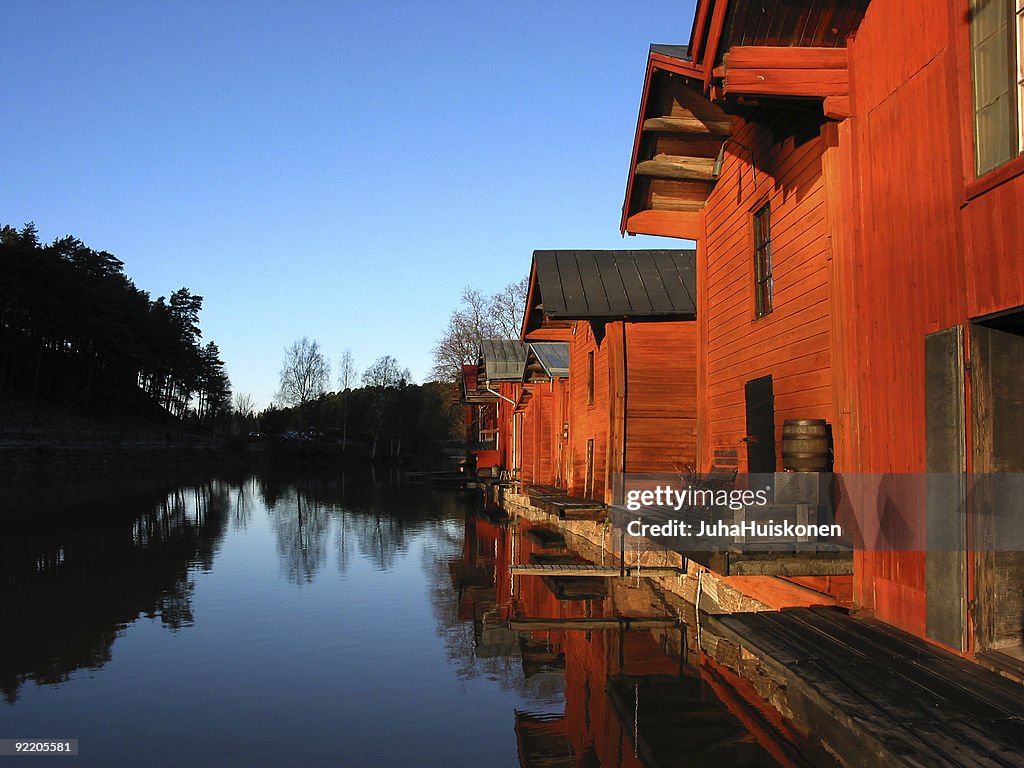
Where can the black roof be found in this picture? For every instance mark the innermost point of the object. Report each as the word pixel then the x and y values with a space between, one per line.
pixel 582 285
pixel 675 51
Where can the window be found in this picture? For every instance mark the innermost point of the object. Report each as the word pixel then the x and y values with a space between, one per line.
pixel 590 378
pixel 997 40
pixel 762 261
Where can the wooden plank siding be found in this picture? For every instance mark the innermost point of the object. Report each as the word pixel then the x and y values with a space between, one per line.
pixel 793 343
pixel 661 400
pixel 906 269
pixel 587 421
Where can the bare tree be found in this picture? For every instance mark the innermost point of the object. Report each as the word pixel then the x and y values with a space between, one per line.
pixel 346 381
pixel 347 371
pixel 386 373
pixel 304 375
pixel 478 317
pixel 507 308
pixel 383 377
pixel 244 409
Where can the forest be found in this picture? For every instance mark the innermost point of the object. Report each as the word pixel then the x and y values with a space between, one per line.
pixel 77 333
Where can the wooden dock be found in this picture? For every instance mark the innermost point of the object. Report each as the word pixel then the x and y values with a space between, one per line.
pixel 585 569
pixel 555 502
pixel 603 623
pixel 879 696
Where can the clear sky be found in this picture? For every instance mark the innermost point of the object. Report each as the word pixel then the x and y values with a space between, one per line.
pixel 337 170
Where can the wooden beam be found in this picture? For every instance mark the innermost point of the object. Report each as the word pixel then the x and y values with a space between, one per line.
pixel 788 82
pixel 691 125
pixel 837 107
pixel 686 168
pixel 779 57
pixel 707 58
pixel 785 71
pixel 684 224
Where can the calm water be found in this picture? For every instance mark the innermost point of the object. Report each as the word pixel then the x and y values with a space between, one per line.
pixel 328 621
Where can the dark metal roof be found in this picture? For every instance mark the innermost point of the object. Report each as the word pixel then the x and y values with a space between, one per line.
pixel 553 357
pixel 583 285
pixel 681 52
pixel 503 359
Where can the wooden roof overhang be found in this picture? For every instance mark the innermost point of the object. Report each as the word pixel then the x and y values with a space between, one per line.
pixel 501 360
pixel 742 54
pixel 546 360
pixel 471 393
pixel 678 137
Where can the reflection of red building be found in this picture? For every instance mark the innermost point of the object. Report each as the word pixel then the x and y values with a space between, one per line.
pixel 611 676
pixel 490 392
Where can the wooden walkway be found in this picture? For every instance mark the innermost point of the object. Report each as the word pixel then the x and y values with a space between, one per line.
pixel 607 622
pixel 585 569
pixel 881 697
pixel 555 502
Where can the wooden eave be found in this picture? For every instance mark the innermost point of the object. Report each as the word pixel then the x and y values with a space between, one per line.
pixel 678 136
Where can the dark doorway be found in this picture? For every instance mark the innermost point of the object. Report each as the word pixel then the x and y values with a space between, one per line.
pixel 997 424
pixel 760 402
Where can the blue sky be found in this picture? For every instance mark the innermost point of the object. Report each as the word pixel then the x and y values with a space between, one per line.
pixel 337 170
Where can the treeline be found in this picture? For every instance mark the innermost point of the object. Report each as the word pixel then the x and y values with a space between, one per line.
pixel 382 420
pixel 75 331
pixel 388 415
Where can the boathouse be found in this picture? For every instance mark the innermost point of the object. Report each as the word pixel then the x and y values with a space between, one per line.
pixel 544 404
pixel 628 320
pixel 852 175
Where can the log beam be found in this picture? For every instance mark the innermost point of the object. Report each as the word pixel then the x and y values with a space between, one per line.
pixel 677 167
pixel 692 125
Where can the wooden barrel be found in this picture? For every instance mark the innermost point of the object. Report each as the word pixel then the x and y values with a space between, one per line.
pixel 805 446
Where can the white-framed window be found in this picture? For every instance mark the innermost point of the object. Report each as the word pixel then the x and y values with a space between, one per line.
pixel 997 73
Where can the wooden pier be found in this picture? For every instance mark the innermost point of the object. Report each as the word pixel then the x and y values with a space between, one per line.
pixel 596 571
pixel 603 623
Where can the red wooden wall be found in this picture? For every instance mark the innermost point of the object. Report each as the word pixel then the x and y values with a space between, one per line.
pixel 793 343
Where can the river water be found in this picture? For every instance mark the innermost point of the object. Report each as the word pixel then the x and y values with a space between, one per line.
pixel 333 620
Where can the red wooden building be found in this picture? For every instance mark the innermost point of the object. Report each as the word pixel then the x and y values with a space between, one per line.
pixel 490 392
pixel 544 408
pixel 627 317
pixel 852 174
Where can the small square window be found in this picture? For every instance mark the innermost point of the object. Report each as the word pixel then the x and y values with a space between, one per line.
pixel 762 261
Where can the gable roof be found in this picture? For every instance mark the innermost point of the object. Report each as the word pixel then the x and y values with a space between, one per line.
pixel 611 285
pixel 503 359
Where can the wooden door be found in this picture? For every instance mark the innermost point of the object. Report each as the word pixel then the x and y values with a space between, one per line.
pixel 760 403
pixel 997 426
pixel 945 506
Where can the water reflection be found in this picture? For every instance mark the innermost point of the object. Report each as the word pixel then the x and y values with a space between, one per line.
pixel 68 592
pixel 629 698
pixel 324 619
